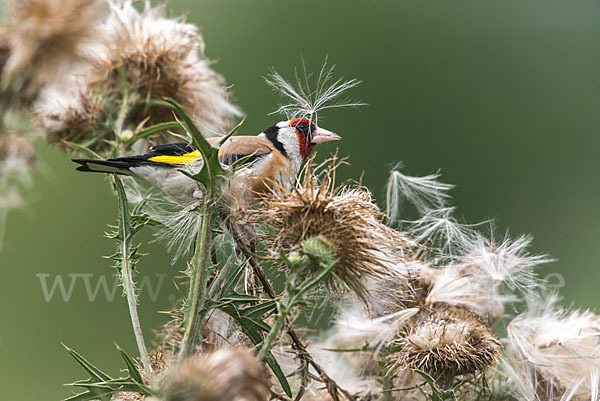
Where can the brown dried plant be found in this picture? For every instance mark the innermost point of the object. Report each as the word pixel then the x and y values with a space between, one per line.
pixel 138 57
pixel 344 217
pixel 42 39
pixel 446 341
pixel 232 374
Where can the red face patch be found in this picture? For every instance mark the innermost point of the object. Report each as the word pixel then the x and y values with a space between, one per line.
pixel 303 125
pixel 304 130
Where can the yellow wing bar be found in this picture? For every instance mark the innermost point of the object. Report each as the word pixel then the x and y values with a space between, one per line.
pixel 184 159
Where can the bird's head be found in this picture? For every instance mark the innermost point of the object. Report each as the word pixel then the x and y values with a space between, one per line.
pixel 297 137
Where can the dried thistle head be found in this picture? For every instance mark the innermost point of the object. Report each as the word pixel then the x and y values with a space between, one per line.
pixel 43 38
pixel 345 217
pixel 446 341
pixel 157 57
pixel 70 120
pixel 554 355
pixel 137 57
pixel 225 375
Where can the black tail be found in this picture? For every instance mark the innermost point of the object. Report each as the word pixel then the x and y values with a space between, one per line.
pixel 105 166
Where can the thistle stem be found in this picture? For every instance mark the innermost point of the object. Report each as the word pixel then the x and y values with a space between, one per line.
pixel 197 289
pixel 332 387
pixel 129 286
pixel 127 276
pixel 274 332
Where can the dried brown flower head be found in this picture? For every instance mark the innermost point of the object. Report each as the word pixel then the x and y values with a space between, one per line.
pixel 225 375
pixel 80 119
pixel 43 37
pixel 138 57
pixel 344 217
pixel 446 341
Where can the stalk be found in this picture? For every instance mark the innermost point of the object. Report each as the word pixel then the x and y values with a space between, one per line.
pixel 133 314
pixel 273 333
pixel 197 288
pixel 127 277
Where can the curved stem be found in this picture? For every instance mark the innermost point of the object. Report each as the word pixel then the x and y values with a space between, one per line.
pixel 197 288
pixel 129 286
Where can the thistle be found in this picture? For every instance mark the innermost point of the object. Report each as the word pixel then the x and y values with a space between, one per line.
pixel 446 341
pixel 138 57
pixel 42 38
pixel 224 375
pixel 554 354
pixel 344 217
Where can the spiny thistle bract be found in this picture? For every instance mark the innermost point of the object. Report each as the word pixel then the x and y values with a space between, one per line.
pixel 345 217
pixel 446 341
pixel 137 57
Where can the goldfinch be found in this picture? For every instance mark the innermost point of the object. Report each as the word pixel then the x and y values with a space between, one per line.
pixel 274 157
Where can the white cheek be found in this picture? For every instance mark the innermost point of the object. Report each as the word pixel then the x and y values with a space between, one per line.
pixel 292 148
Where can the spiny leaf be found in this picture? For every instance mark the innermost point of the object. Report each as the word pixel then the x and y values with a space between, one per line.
pixel 146 132
pixel 101 386
pixel 212 170
pixel 437 394
pixel 134 373
pixel 91 369
pixel 233 131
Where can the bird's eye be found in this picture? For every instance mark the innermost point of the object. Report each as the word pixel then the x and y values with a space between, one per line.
pixel 301 127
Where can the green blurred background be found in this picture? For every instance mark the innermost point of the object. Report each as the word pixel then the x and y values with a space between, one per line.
pixel 503 96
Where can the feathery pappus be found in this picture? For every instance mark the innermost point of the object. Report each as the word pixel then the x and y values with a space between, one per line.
pixel 274 157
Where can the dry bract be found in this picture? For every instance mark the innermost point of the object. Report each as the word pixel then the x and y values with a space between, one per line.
pixel 224 375
pixel 446 341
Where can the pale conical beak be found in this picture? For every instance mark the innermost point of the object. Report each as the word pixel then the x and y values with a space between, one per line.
pixel 322 135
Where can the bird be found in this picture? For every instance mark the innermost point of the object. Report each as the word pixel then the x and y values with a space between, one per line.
pixel 274 158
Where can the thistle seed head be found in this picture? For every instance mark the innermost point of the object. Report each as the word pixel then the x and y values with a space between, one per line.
pixel 43 37
pixel 72 119
pixel 135 58
pixel 160 57
pixel 446 341
pixel 554 355
pixel 345 217
pixel 224 375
